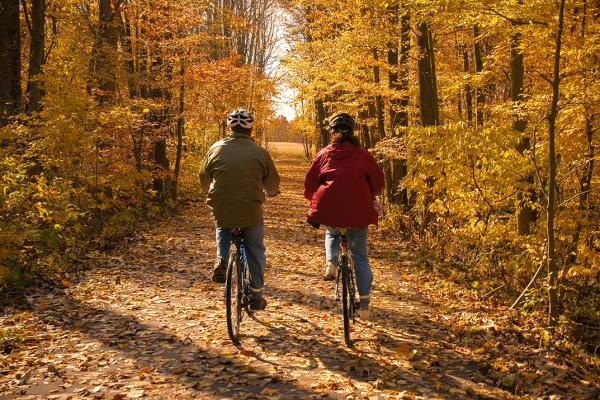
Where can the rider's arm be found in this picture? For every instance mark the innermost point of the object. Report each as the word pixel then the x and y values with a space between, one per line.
pixel 205 175
pixel 374 176
pixel 271 178
pixel 311 182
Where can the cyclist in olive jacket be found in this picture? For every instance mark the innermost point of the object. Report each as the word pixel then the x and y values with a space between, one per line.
pixel 235 174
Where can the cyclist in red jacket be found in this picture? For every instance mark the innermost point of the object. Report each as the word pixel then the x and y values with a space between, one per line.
pixel 341 185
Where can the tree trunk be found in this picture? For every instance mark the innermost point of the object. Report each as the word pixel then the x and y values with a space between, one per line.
pixel 554 308
pixel 11 97
pixel 321 124
pixel 161 183
pixel 428 101
pixel 105 50
pixel 392 59
pixel 372 131
pixel 400 168
pixel 395 169
pixel 479 96
pixel 467 88
pixel 525 213
pixel 404 69
pixel 364 129
pixel 180 128
pixel 586 179
pixel 36 55
pixel 129 58
pixel 517 76
pixel 378 103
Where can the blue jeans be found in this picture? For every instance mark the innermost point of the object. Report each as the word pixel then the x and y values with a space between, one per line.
pixel 357 241
pixel 255 251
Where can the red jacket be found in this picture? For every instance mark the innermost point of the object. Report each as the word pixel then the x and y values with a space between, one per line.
pixel 341 185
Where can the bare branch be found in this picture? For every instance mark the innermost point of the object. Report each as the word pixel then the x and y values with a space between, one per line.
pixel 517 21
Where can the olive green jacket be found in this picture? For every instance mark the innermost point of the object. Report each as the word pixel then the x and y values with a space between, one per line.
pixel 235 175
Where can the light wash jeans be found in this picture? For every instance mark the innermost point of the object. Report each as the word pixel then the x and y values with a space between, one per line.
pixel 357 242
pixel 255 251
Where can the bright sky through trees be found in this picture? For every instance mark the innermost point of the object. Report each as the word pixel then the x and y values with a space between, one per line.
pixel 285 95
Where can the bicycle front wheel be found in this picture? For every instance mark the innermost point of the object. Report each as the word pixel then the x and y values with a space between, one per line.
pixel 347 304
pixel 233 297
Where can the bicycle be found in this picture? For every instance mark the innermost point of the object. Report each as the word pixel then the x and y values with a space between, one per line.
pixel 237 287
pixel 345 273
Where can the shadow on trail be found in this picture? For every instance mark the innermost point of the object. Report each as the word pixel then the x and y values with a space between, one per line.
pixel 419 366
pixel 164 353
pixel 327 353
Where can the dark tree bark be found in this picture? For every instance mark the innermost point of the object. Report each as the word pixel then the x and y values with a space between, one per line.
pixel 11 97
pixel 37 55
pixel 161 183
pixel 479 96
pixel 378 104
pixel 554 308
pixel 129 59
pixel 428 101
pixel 378 131
pixel 400 168
pixel 180 128
pixel 105 51
pixel 467 88
pixel 372 114
pixel 392 59
pixel 395 169
pixel 321 124
pixel 404 68
pixel 364 129
pixel 525 213
pixel 517 76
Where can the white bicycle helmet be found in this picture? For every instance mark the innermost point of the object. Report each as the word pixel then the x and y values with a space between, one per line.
pixel 240 117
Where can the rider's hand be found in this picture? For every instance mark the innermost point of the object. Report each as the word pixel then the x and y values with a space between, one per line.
pixel 378 207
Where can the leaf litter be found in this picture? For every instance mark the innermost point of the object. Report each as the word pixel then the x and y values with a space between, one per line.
pixel 145 321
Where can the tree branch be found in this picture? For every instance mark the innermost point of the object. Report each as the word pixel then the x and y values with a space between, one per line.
pixel 517 21
pixel 26 14
pixel 533 279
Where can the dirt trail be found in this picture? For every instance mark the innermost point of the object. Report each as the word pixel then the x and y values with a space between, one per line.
pixel 146 321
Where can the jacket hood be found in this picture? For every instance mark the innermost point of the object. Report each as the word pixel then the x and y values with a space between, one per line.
pixel 339 151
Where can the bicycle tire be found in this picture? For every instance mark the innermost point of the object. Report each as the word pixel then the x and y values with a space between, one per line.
pixel 346 303
pixel 233 297
pixel 351 289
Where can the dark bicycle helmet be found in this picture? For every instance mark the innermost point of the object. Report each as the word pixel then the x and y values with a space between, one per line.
pixel 342 122
pixel 240 117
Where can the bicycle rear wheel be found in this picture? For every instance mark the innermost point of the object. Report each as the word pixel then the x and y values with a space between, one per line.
pixel 233 296
pixel 352 300
pixel 347 302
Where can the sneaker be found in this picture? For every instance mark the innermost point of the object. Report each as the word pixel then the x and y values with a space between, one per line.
pixel 257 303
pixel 219 271
pixel 330 271
pixel 364 311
